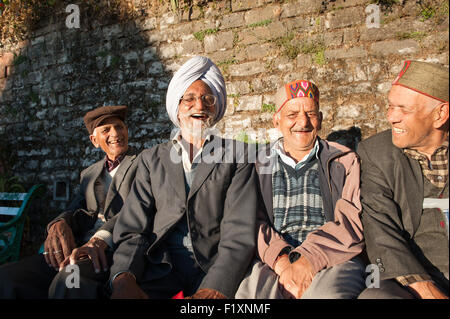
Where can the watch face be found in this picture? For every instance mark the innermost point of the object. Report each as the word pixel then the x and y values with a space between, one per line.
pixel 294 256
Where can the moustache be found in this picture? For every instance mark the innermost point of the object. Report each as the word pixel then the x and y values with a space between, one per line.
pixel 199 114
pixel 301 129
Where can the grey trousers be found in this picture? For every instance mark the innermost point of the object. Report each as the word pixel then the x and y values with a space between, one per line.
pixel 343 281
pixel 389 289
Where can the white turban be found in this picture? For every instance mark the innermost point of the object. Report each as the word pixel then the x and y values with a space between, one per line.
pixel 197 68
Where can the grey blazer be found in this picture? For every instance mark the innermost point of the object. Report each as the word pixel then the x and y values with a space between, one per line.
pixel 83 210
pixel 392 192
pixel 221 208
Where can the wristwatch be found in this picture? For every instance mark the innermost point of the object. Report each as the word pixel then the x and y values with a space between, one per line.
pixel 294 256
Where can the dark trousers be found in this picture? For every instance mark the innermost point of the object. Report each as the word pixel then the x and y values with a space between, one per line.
pixel 183 274
pixel 28 278
pixel 81 282
pixel 32 278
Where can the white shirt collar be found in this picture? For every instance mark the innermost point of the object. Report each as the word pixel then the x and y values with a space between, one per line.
pixel 180 146
pixel 278 149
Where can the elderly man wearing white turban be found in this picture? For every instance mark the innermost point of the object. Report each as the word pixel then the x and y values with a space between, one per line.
pixel 188 224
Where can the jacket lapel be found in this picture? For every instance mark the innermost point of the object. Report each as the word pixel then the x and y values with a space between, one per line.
pixel 203 170
pixel 264 171
pixel 118 178
pixel 93 176
pixel 174 171
pixel 414 184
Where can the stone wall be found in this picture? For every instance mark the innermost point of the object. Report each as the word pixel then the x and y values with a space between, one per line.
pixel 48 82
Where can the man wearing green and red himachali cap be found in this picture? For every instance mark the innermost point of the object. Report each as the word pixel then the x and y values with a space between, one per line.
pixel 404 187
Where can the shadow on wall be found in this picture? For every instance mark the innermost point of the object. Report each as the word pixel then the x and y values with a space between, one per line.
pixel 350 137
pixel 62 73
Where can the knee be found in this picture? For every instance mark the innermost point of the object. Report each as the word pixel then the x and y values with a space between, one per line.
pixel 388 289
pixel 7 282
pixel 368 293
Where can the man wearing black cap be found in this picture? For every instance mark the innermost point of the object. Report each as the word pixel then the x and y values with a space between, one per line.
pixel 89 221
pixel 404 188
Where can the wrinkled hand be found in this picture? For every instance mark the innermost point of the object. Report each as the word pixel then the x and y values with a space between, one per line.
pixel 426 290
pixel 94 249
pixel 59 243
pixel 207 293
pixel 296 278
pixel 281 264
pixel 125 287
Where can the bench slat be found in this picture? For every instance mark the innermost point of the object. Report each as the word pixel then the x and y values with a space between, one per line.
pixel 10 211
pixel 12 196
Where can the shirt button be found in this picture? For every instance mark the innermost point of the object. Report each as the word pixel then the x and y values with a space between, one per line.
pixel 381 269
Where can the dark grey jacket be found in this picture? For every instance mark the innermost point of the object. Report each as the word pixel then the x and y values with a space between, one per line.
pixel 83 210
pixel 221 209
pixel 392 193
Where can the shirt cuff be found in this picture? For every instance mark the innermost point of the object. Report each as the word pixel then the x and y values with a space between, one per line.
pixel 410 279
pixel 106 236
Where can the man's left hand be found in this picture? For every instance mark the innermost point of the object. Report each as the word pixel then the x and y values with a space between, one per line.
pixel 207 293
pixel 296 278
pixel 426 290
pixel 93 249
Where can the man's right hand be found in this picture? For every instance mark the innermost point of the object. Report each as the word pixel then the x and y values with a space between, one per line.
pixel 59 243
pixel 426 290
pixel 125 286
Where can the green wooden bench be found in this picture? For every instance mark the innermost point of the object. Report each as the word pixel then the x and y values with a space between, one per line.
pixel 13 211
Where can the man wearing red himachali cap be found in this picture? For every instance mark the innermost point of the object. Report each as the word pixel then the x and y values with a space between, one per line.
pixel 404 187
pixel 309 228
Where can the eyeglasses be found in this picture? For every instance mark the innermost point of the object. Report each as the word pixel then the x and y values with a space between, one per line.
pixel 207 99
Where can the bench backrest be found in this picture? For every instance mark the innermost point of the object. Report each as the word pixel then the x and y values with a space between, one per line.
pixel 10 208
pixel 8 203
pixel 13 211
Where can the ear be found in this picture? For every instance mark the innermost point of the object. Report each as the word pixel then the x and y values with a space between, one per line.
pixel 440 115
pixel 94 141
pixel 276 120
pixel 319 127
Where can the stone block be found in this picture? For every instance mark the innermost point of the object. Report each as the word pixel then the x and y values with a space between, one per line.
pixel 169 51
pixel 246 69
pixel 238 88
pixel 262 14
pixel 7 59
pixel 191 46
pixel 266 84
pixel 148 24
pixel 258 51
pixel 300 8
pixel 333 38
pixel 156 68
pixel 219 42
pixel 241 5
pixel 263 34
pixel 149 54
pixel 168 19
pixel 345 18
pixel 233 20
pixel 249 103
pixel 112 31
pixel 356 52
pixel 349 111
pixel 402 47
